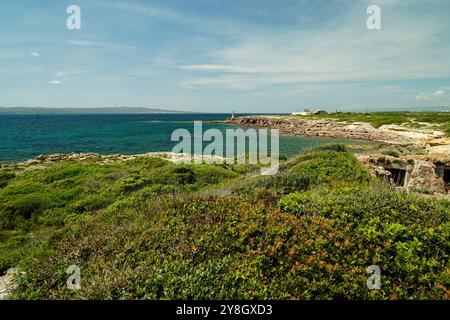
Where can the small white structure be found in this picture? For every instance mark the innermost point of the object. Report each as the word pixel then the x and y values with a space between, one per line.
pixel 305 112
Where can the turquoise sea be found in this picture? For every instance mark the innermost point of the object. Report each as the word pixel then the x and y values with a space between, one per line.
pixel 24 137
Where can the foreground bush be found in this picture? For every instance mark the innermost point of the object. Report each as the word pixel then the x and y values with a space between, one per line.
pixel 219 248
pixel 307 237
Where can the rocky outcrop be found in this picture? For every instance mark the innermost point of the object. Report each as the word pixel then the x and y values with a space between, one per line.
pixel 424 178
pixel 440 146
pixel 322 128
pixel 393 134
pixel 424 174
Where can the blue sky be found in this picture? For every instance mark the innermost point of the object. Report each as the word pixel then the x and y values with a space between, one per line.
pixel 219 56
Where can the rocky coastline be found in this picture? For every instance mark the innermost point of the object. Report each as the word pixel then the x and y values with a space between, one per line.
pixel 391 134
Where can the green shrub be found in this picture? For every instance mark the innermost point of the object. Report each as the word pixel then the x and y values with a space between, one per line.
pixel 156 190
pixel 132 183
pixel 184 175
pixel 332 166
pixel 32 205
pixel 149 162
pixel 298 203
pixel 333 147
pixel 65 172
pixel 289 182
pixel 92 203
pixel 5 177
pixel 11 249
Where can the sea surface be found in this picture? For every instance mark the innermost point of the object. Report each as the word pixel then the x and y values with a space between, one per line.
pixel 24 137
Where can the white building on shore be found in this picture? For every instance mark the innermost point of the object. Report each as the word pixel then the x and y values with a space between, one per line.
pixel 305 112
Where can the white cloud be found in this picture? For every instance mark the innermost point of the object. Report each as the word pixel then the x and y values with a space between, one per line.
pixel 423 96
pixel 61 74
pixel 35 54
pixel 439 93
pixel 55 82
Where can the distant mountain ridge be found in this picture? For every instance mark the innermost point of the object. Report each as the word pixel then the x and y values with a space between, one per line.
pixel 101 110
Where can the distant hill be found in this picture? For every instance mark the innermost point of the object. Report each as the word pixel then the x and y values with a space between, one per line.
pixel 115 110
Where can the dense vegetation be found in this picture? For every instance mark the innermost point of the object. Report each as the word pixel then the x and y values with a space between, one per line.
pixel 438 120
pixel 150 229
pixel 36 202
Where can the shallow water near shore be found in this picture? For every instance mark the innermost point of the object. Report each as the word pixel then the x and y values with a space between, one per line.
pixel 24 137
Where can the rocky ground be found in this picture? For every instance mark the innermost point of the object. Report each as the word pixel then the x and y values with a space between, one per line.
pixel 42 160
pixel 7 283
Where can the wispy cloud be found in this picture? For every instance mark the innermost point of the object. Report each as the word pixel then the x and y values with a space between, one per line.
pixel 431 96
pixel 62 74
pixel 148 10
pixel 439 93
pixel 35 54
pixel 230 68
pixel 21 70
pixel 422 96
pixel 55 82
pixel 203 22
pixel 343 51
pixel 84 43
pixel 88 43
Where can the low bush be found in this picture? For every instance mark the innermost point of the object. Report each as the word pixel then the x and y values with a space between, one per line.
pixel 5 177
pixel 328 166
pixel 333 147
pixel 289 182
pixel 31 205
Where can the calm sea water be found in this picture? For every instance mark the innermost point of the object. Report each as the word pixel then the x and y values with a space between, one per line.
pixel 24 137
